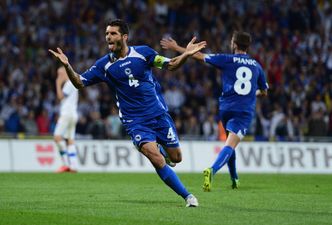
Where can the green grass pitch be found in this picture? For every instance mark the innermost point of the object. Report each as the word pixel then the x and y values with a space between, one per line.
pixel 134 199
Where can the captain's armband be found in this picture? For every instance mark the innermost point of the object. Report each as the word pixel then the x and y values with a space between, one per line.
pixel 160 61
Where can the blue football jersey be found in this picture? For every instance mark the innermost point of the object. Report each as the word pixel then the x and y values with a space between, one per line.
pixel 137 91
pixel 160 93
pixel 241 77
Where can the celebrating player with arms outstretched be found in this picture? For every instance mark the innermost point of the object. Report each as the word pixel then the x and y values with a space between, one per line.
pixel 243 78
pixel 127 71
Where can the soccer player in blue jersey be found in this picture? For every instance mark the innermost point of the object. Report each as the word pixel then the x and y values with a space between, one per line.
pixel 142 110
pixel 243 78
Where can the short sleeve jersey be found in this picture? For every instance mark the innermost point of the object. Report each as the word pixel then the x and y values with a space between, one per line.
pixel 137 92
pixel 68 105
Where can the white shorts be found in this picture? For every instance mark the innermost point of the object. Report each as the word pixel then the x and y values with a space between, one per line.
pixel 66 127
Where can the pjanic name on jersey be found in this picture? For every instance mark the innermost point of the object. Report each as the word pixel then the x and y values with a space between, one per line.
pixel 244 61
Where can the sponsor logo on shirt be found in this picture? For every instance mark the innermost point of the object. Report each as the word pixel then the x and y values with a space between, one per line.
pixel 125 63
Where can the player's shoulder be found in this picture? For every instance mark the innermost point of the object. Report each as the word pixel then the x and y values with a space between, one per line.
pixel 143 49
pixel 257 63
pixel 140 47
pixel 68 85
pixel 103 60
pixel 246 60
pixel 217 55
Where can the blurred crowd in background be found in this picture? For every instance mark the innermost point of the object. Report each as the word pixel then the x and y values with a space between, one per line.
pixel 291 39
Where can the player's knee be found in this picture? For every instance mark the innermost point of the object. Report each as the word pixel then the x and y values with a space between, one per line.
pixel 57 138
pixel 70 141
pixel 176 156
pixel 157 160
pixel 176 159
pixel 154 156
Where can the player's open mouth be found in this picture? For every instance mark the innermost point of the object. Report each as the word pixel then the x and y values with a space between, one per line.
pixel 110 45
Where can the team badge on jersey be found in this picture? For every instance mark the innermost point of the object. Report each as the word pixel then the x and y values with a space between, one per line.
pixel 138 137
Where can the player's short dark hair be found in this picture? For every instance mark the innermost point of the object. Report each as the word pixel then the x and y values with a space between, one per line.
pixel 242 40
pixel 123 26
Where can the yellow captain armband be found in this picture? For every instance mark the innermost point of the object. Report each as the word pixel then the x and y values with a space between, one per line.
pixel 160 61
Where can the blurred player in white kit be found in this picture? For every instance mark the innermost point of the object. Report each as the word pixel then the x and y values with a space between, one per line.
pixel 64 133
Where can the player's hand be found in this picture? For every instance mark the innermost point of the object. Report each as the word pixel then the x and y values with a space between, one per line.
pixel 261 93
pixel 193 47
pixel 60 55
pixel 169 43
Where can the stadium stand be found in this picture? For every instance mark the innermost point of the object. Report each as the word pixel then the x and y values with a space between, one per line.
pixel 292 40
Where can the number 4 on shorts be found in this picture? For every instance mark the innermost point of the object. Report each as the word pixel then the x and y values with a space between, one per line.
pixel 171 134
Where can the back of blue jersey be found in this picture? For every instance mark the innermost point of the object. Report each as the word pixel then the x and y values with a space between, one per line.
pixel 241 77
pixel 137 91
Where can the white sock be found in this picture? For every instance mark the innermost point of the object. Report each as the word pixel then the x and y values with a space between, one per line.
pixel 63 153
pixel 72 155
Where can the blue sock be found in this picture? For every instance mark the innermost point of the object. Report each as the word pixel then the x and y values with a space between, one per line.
pixel 222 158
pixel 232 166
pixel 172 180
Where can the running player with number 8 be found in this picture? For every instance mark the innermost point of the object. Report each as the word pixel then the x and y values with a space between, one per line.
pixel 243 78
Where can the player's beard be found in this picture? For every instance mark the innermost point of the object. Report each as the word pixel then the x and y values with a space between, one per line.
pixel 117 48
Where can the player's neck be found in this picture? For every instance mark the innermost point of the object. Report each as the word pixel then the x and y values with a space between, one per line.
pixel 240 52
pixel 123 53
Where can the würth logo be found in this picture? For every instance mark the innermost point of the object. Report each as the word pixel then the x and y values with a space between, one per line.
pixel 45 154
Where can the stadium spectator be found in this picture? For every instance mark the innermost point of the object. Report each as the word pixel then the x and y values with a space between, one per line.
pixel 317 126
pixel 81 128
pixel 192 127
pixel 29 124
pixel 13 123
pixel 174 98
pixel 318 105
pixel 96 127
pixel 2 126
pixel 210 128
pixel 43 122
pixel 278 122
pixel 114 127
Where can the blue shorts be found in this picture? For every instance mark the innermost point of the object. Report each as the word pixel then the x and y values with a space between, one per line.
pixel 160 129
pixel 236 122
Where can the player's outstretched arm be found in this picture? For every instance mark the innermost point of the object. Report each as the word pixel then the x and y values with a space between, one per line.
pixel 73 76
pixel 171 44
pixel 190 50
pixel 59 82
